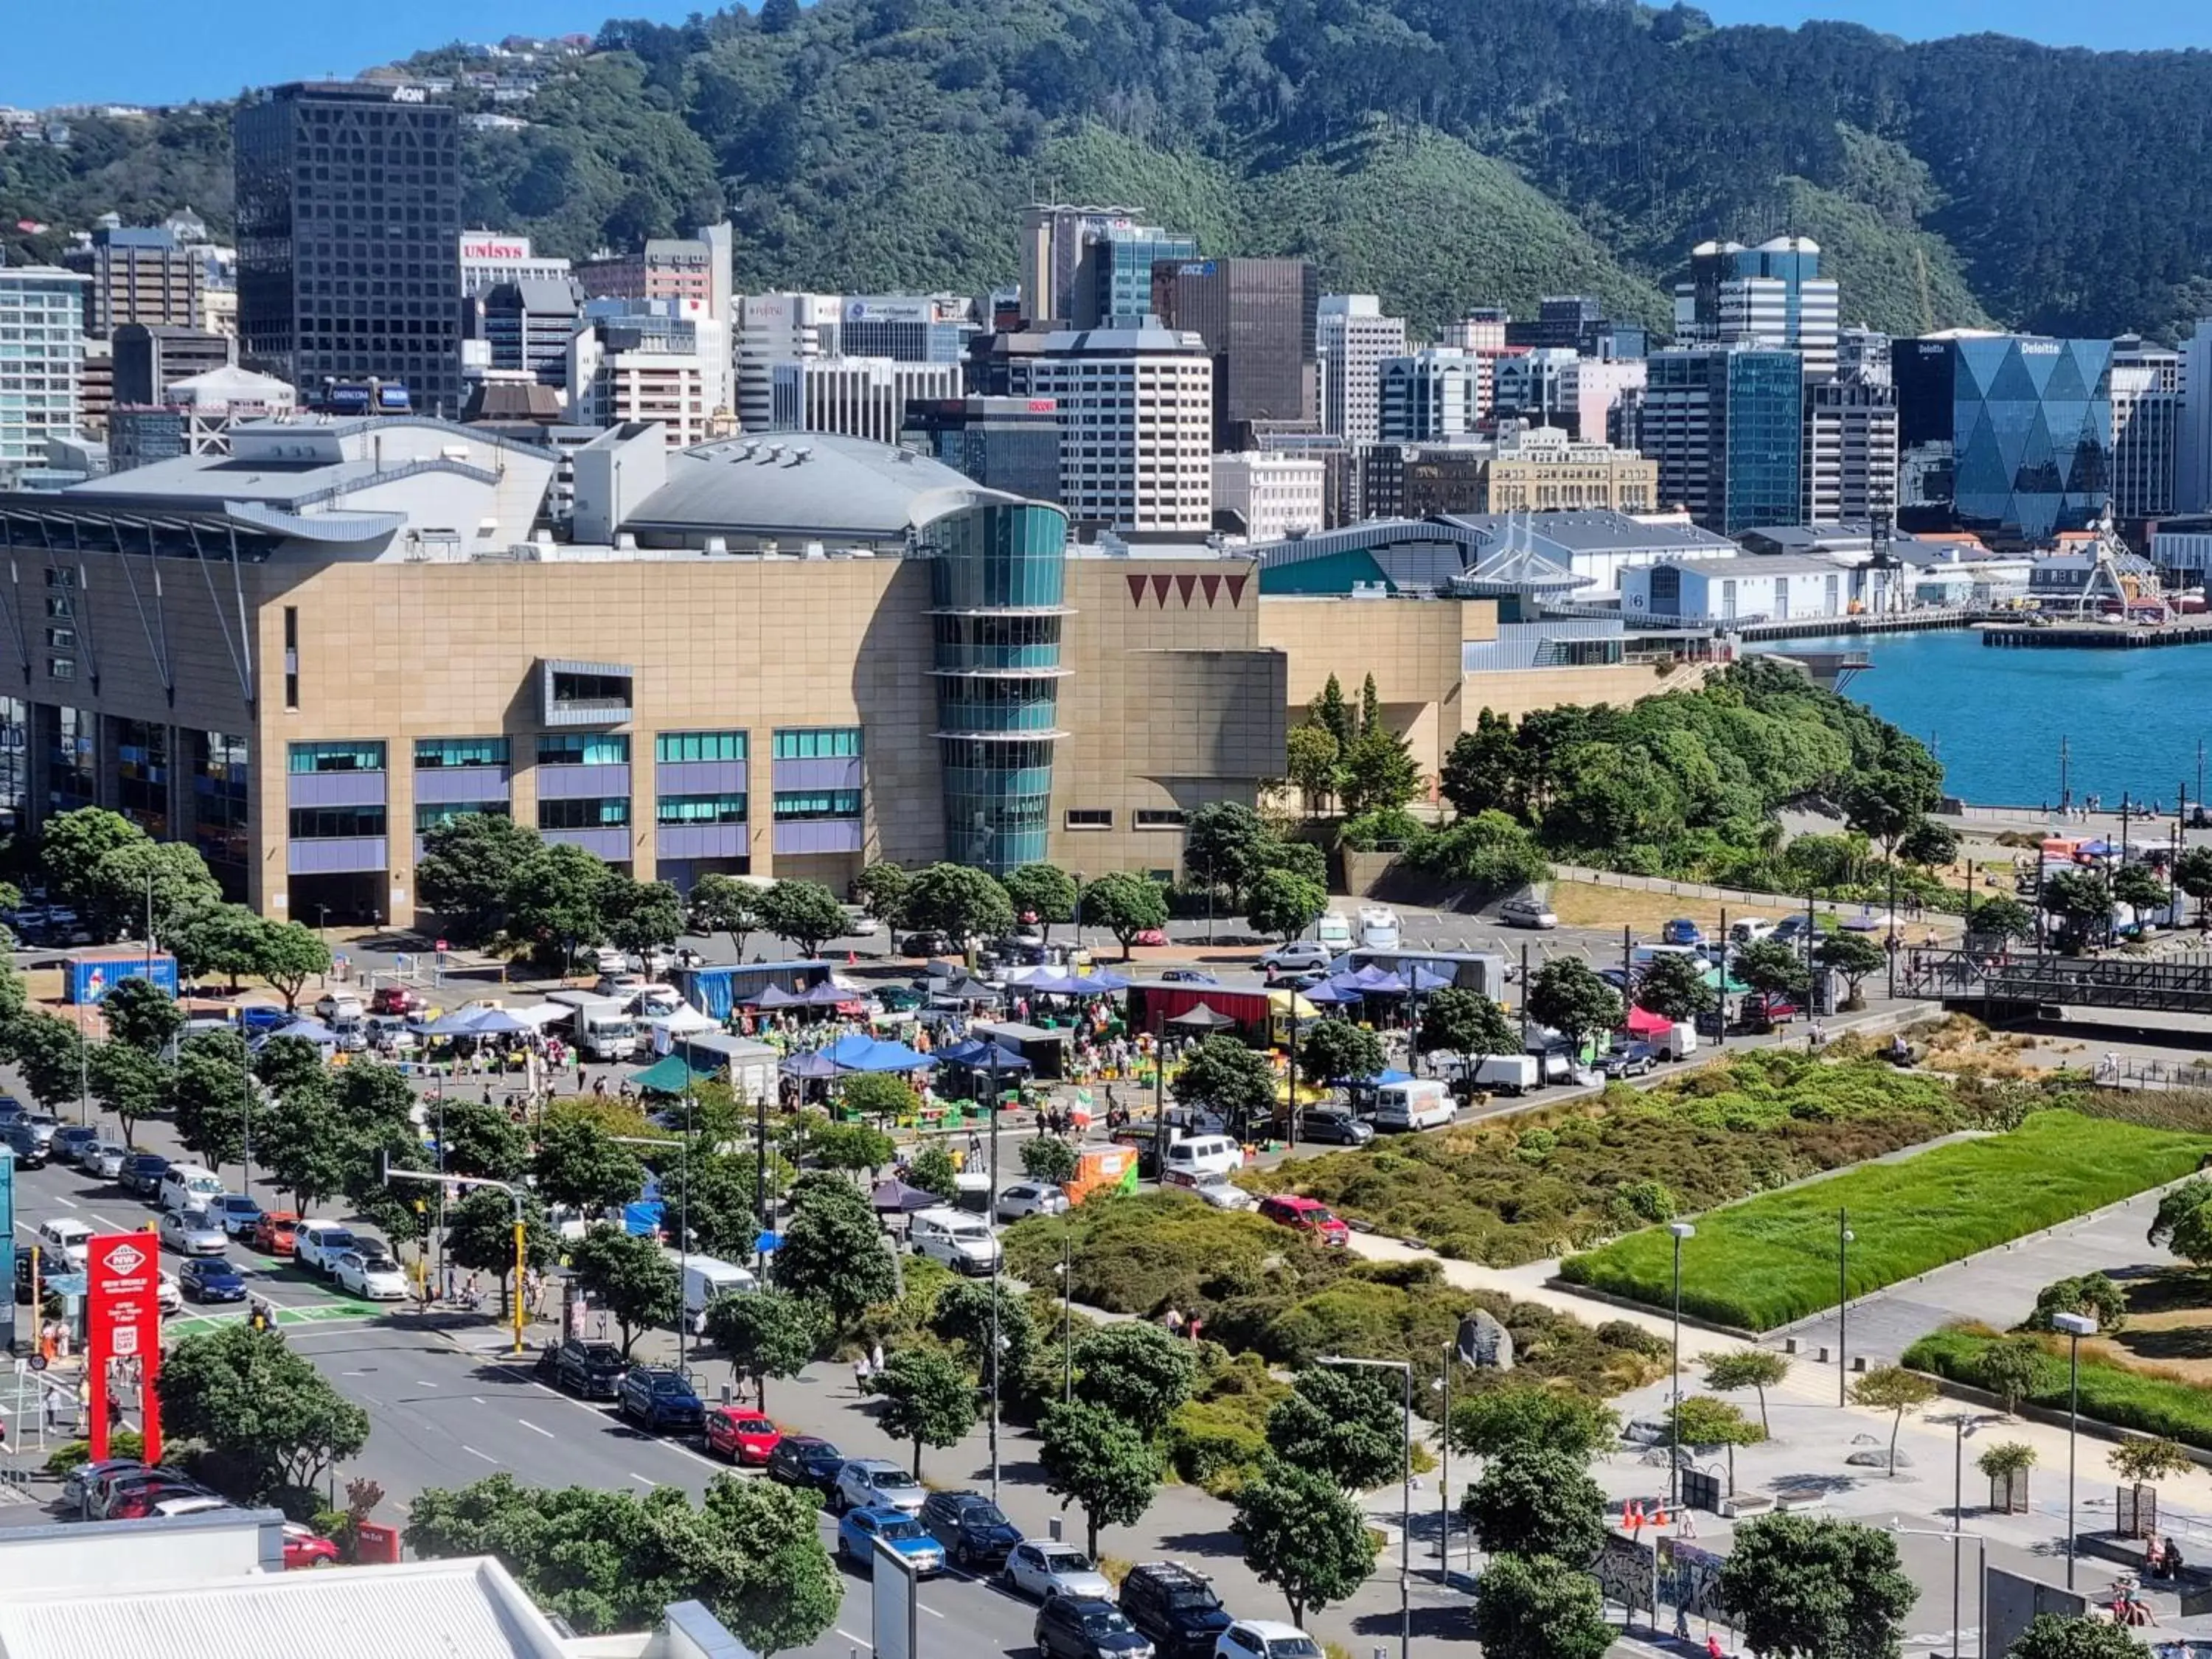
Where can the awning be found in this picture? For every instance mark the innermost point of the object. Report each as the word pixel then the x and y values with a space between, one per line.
pixel 672 1074
pixel 773 996
pixel 1203 1017
pixel 1641 1021
pixel 896 1196
pixel 1287 1001
pixel 309 1030
pixel 866 1054
pixel 498 1022
pixel 809 1066
pixel 1101 981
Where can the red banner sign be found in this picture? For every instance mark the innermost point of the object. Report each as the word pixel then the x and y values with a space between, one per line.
pixel 122 1319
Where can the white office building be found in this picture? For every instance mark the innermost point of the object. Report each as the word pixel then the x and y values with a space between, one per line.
pixel 651 360
pixel 1136 439
pixel 779 328
pixel 1749 588
pixel 1849 474
pixel 1273 495
pixel 1770 296
pixel 2147 406
pixel 1429 396
pixel 860 397
pixel 41 361
pixel 492 257
pixel 1352 340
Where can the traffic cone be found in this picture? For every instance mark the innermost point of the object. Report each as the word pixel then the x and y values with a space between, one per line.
pixel 1660 1518
pixel 851 961
pixel 1632 1517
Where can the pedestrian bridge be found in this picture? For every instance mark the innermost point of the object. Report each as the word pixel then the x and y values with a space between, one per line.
pixel 2171 985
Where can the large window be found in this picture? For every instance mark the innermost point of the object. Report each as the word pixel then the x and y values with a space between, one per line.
pixel 345 757
pixel 699 746
pixel 428 819
pixel 432 754
pixel 818 743
pixel 336 822
pixel 602 812
pixel 582 749
pixel 700 809
pixel 798 805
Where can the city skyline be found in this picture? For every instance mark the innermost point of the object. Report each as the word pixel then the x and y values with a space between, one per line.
pixel 181 59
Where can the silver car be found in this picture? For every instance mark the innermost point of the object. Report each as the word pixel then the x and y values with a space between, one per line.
pixel 1223 1193
pixel 102 1158
pixel 193 1232
pixel 1028 1198
pixel 1039 1567
pixel 876 1483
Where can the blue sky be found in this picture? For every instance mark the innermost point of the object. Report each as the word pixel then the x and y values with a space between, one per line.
pixel 158 51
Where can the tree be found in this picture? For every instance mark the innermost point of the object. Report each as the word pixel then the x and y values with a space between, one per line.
pixel 2094 1294
pixel 1136 1370
pixel 1886 806
pixel 164 882
pixel 854 1148
pixel 72 846
pixel 1337 1051
pixel 1539 1608
pixel 1770 967
pixel 129 1082
pixel 1930 843
pixel 1467 1024
pixel 286 954
pixel 712 1194
pixel 1482 772
pixel 2175 1205
pixel 141 1015
pixel 1893 1389
pixel 480 1234
pixel 1531 1416
pixel 286 1063
pixel 631 1277
pixel 723 904
pixel 2014 1369
pixel 765 1333
pixel 2192 874
pixel 833 1250
pixel 1569 996
pixel 927 1399
pixel 481 1141
pixel 1105 1466
pixel 1673 987
pixel 1702 1420
pixel 2054 1636
pixel 1043 890
pixel 1221 844
pixel 1345 1424
pixel 2138 886
pixel 580 1166
pixel 1310 761
pixel 273 1419
pixel 2082 901
pixel 1537 1502
pixel 2005 918
pixel 467 871
pixel 1304 1536
pixel 1378 772
pixel 1815 1588
pixel 959 901
pixel 51 1055
pixel 1284 905
pixel 964 1314
pixel 1221 1074
pixel 1756 1369
pixel 1126 906
pixel 1854 956
pixel 880 1095
pixel 303 1141
pixel 880 890
pixel 2141 1458
pixel 1049 1158
pixel 211 1092
pixel 1329 711
pixel 557 899
pixel 803 912
pixel 932 1171
pixel 641 915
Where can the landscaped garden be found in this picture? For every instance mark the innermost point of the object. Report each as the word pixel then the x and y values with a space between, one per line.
pixel 1773 1258
pixel 2151 1399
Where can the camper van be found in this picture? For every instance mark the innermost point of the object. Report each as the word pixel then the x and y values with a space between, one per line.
pixel 1420 1102
pixel 705 1278
pixel 1378 927
pixel 1334 931
pixel 963 1243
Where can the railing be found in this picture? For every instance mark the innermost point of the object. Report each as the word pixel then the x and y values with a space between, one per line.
pixel 2166 984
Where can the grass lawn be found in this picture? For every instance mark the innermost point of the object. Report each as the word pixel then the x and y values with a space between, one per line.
pixel 2124 1396
pixel 1772 1259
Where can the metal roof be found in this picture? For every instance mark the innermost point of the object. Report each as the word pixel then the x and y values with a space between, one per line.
pixel 806 485
pixel 1598 530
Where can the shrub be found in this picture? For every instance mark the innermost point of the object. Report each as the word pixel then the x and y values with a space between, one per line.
pixel 2123 1396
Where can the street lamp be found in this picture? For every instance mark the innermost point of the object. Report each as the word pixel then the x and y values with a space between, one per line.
pixel 1680 1230
pixel 682 1213
pixel 1404 1368
pixel 1845 1238
pixel 2077 1326
pixel 1981 1587
pixel 991 1220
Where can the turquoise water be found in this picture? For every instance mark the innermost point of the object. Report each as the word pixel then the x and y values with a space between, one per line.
pixel 2132 719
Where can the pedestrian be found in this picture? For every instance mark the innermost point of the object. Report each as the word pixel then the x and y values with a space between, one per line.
pixel 876 1358
pixel 860 1374
pixel 1713 1647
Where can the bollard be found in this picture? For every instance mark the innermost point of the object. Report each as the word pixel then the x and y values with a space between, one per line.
pixel 1789 1344
pixel 1858 1362
pixel 1823 1357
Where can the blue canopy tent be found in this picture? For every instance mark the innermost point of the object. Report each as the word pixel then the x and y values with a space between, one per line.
pixel 1101 981
pixel 809 1066
pixel 498 1022
pixel 1052 985
pixel 827 994
pixel 1427 979
pixel 1329 995
pixel 774 996
pixel 867 1054
pixel 459 1022
pixel 307 1030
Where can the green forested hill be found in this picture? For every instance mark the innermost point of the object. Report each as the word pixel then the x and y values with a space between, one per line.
pixel 1442 152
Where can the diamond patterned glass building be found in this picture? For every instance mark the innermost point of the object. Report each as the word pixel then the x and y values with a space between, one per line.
pixel 2005 433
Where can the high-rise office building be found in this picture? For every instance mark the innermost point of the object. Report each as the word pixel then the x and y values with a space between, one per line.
pixel 1352 340
pixel 1535 385
pixel 860 397
pixel 1482 329
pixel 1114 272
pixel 929 328
pixel 695 268
pixel 1269 494
pixel 1256 316
pixel 42 373
pixel 1136 420
pixel 139 275
pixel 779 328
pixel 149 360
pixel 664 360
pixel 2192 468
pixel 1428 396
pixel 2146 420
pixel 1002 443
pixel 349 237
pixel 1576 323
pixel 1725 425
pixel 1771 296
pixel 524 328
pixel 1850 469
pixel 1864 352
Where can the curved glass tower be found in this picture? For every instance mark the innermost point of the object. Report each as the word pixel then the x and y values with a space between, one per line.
pixel 995 584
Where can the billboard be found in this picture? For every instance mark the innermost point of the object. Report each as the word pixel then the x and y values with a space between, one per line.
pixel 123 1328
pixel 892 1588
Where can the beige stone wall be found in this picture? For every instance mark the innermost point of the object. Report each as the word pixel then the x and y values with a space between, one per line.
pixel 1521 692
pixel 1412 648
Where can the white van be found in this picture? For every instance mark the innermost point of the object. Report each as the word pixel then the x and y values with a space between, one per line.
pixel 1526 912
pixel 1378 927
pixel 1749 930
pixel 963 1243
pixel 1334 930
pixel 188 1187
pixel 1509 1074
pixel 1678 1042
pixel 317 1245
pixel 705 1278
pixel 1420 1102
pixel 1199 1156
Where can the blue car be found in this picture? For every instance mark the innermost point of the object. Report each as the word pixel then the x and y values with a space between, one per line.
pixel 1681 931
pixel 657 1398
pixel 859 1529
pixel 210 1279
pixel 259 1021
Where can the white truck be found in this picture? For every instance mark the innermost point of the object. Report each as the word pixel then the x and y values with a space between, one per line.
pixel 602 1030
pixel 705 1278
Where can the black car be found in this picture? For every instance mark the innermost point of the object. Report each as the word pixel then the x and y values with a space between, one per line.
pixel 1630 1060
pixel 974 1531
pixel 805 1459
pixel 210 1279
pixel 1175 1607
pixel 928 944
pixel 142 1174
pixel 592 1369
pixel 31 1142
pixel 659 1398
pixel 1333 1126
pixel 1075 1627
pixel 1187 976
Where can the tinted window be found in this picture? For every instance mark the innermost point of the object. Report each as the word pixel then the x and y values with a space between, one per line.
pixel 900 1528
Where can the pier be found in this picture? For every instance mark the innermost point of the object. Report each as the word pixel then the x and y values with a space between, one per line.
pixel 2099 636
pixel 1877 621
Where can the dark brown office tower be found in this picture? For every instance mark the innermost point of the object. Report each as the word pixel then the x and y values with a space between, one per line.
pixel 1256 316
pixel 139 276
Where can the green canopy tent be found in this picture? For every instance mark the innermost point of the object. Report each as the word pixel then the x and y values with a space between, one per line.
pixel 672 1074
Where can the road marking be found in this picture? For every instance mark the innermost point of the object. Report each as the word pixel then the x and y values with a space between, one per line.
pixel 634 1475
pixel 849 1637
pixel 112 1228
pixel 534 1429
pixel 475 1400
pixel 353 1373
pixel 931 1611
pixel 473 1452
pixel 420 1383
pixel 66 1203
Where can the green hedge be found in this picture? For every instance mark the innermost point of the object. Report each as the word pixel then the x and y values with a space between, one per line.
pixel 1772 1259
pixel 2111 1394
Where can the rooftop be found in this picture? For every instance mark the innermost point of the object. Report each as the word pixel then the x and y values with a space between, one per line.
pixel 804 484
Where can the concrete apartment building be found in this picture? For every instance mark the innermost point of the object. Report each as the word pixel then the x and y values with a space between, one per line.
pixel 1354 340
pixel 1270 494
pixel 1850 468
pixel 42 378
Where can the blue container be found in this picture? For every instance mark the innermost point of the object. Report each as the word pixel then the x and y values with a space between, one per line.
pixel 90 978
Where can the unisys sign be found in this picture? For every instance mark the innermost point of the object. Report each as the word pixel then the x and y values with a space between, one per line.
pixel 122 1319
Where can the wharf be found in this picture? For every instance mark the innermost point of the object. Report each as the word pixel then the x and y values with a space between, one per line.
pixel 2098 636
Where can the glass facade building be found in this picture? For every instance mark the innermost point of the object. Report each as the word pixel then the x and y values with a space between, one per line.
pixel 996 580
pixel 1724 424
pixel 1113 279
pixel 2011 433
pixel 1766 450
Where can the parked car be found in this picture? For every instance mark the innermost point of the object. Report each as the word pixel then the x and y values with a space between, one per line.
pixel 974 1531
pixel 193 1233
pixel 1527 912
pixel 168 1293
pixel 1184 975
pixel 928 944
pixel 1681 931
pixel 1333 1126
pixel 188 1187
pixel 858 1531
pixel 1175 1608
pixel 1044 1568
pixel 1265 1638
pixel 30 1141
pixel 210 1279
pixel 305 1547
pixel 1151 936
pixel 1749 930
pixel 142 1174
pixel 335 1007
pixel 876 1483
pixel 805 1459
pixel 138 1501
pixel 1222 1193
pixel 1630 1060
pixel 592 1370
pixel 1307 1215
pixel 104 1496
pixel 318 1244
pixel 277 1232
pixel 1793 927
pixel 68 1143
pixel 64 1238
pixel 236 1214
pixel 396 1000
pixel 1028 1198
pixel 1768 1008
pixel 1072 1627
pixel 659 1399
pixel 1296 956
pixel 741 1435
pixel 370 1274
pixel 75 1482
pixel 102 1159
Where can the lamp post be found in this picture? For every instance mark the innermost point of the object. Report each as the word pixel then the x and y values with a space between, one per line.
pixel 1981 1586
pixel 1845 1238
pixel 1404 1368
pixel 2077 1326
pixel 1443 1480
pixel 683 1210
pixel 1067 1311
pixel 515 1195
pixel 991 1201
pixel 1680 1230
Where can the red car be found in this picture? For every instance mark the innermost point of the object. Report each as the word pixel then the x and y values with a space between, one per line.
pixel 741 1435
pixel 1309 1216
pixel 396 1000
pixel 1769 1009
pixel 304 1547
pixel 274 1231
pixel 139 1502
pixel 1151 936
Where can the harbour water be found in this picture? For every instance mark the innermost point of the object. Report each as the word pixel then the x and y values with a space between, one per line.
pixel 2132 719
